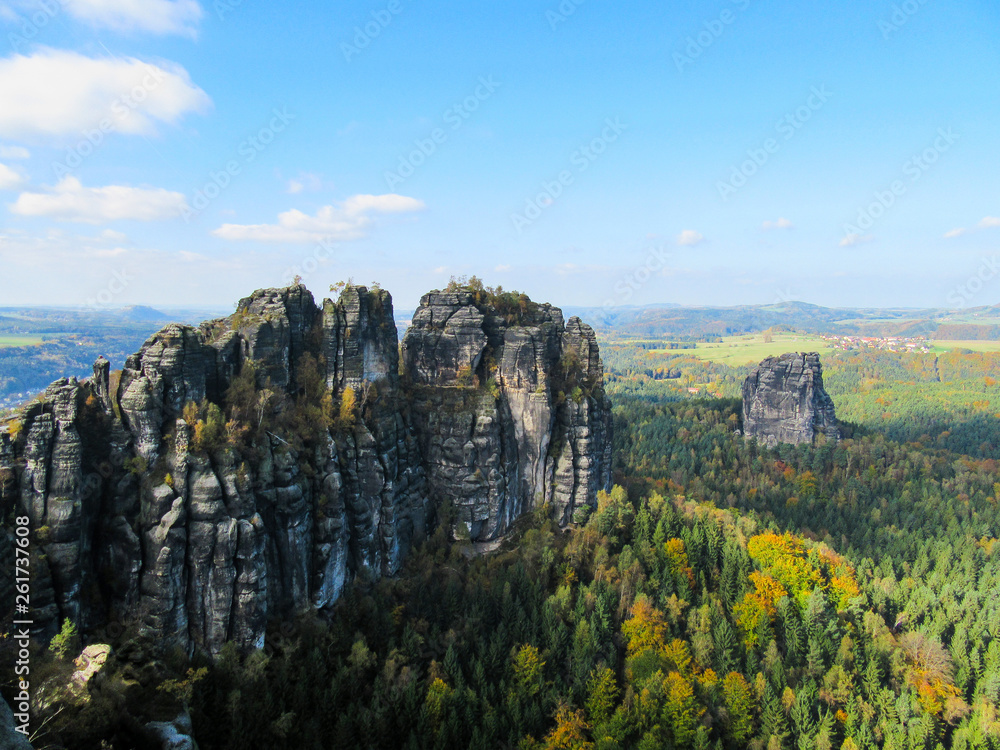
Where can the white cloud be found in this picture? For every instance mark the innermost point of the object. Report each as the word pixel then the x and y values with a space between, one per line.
pixel 779 224
pixel 958 232
pixel 61 93
pixel 855 239
pixel 70 201
pixel 989 222
pixel 502 268
pixel 9 179
pixel 13 152
pixel 344 221
pixel 690 237
pixel 153 16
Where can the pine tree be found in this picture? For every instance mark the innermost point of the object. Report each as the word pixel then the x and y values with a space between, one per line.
pixel 774 725
pixel 727 646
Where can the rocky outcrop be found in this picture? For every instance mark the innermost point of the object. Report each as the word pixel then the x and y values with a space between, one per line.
pixel 10 738
pixel 172 735
pixel 784 401
pixel 251 467
pixel 510 409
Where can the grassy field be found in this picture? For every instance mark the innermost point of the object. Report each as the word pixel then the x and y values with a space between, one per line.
pixel 8 340
pixel 976 346
pixel 751 348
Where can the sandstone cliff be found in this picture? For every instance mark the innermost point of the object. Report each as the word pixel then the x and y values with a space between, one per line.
pixel 252 466
pixel 538 432
pixel 784 401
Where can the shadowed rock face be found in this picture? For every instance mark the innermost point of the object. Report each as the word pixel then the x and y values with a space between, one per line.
pixel 784 401
pixel 138 520
pixel 10 738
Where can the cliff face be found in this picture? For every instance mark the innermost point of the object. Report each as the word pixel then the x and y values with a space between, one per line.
pixel 510 410
pixel 784 401
pixel 252 466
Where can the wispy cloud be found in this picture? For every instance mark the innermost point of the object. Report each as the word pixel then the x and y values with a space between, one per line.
pixel 306 181
pixel 779 224
pixel 856 239
pixel 987 222
pixel 152 16
pixel 61 93
pixel 344 221
pixel 14 152
pixel 9 178
pixel 71 201
pixel 690 237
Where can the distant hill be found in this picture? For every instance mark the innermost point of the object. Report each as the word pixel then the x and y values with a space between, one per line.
pixel 142 314
pixel 687 323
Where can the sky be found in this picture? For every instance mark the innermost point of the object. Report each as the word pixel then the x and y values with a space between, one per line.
pixel 186 152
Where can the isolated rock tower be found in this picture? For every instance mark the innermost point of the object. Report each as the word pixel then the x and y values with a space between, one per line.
pixel 784 401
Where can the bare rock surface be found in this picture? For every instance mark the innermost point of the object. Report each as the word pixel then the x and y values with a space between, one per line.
pixel 784 401
pixel 253 466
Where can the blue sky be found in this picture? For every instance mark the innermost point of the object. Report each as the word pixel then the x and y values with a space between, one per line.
pixel 588 153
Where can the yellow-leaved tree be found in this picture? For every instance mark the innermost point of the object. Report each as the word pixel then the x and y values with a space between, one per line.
pixel 570 731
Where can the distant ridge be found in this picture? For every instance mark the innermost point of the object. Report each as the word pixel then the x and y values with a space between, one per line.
pixel 687 322
pixel 142 314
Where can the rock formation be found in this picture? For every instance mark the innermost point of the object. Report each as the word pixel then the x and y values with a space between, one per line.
pixel 538 432
pixel 784 401
pixel 10 738
pixel 250 467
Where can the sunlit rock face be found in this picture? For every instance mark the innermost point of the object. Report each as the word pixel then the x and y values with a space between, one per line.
pixel 509 407
pixel 140 518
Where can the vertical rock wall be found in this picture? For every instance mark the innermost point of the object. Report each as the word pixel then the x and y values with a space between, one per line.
pixel 140 517
pixel 784 401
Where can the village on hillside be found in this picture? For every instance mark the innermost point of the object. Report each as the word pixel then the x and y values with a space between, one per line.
pixel 884 343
